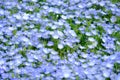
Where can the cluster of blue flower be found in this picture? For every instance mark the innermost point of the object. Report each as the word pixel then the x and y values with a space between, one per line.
pixel 59 40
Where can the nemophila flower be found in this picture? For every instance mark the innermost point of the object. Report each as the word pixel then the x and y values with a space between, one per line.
pixel 25 39
pixel 44 62
pixel 55 36
pixel 117 77
pixel 72 33
pixel 25 16
pixel 85 66
pixel 5 75
pixel 81 5
pixel 60 33
pixel 1 12
pixel 34 0
pixel 102 3
pixel 17 70
pixel 45 50
pixel 77 22
pixel 88 33
pixel 53 26
pixel 84 55
pixel 64 17
pixel 2 61
pixel 113 19
pixel 60 46
pixel 99 77
pixel 93 45
pixel 81 47
pixel 109 65
pixel 50 43
pixel 106 73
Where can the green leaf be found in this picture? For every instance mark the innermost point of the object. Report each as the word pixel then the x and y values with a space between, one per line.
pixel 107 79
pixel 13 10
pixel 115 1
pixel 23 52
pixel 36 9
pixel 116 35
pixel 117 67
pixel 14 32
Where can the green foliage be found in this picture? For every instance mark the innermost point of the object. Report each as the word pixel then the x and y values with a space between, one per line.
pixel 116 35
pixel 36 64
pixel 117 47
pixel 2 17
pixel 21 65
pixel 14 32
pixel 77 78
pixel 115 1
pixel 30 4
pixel 98 7
pixel 100 29
pixel 54 16
pixel 41 0
pixel 117 67
pixel 107 79
pixel 37 26
pixel 31 47
pixel 49 28
pixel 23 52
pixel 29 12
pixel 118 20
pixel 83 39
pixel 13 10
pixel 36 9
pixel 20 1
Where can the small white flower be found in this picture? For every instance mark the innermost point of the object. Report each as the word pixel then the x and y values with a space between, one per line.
pixel 92 46
pixel 66 74
pixel 72 33
pixel 80 6
pixel 60 46
pixel 50 43
pixel 55 36
pixel 17 71
pixel 25 39
pixel 109 65
pixel 84 55
pixel 86 72
pixel 94 32
pixel 25 16
pixel 54 52
pixel 81 47
pixel 106 73
pixel 54 27
pixel 88 34
pixel 69 44
pixel 18 16
pixel 91 39
pixel 11 28
pixel 2 62
pixel 77 22
pixel 91 63
pixel 45 50
pixel 64 17
pixel 45 7
pixel 60 23
pixel 84 65
pixel 11 53
pixel 60 33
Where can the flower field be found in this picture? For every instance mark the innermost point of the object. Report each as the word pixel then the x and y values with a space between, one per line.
pixel 59 39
